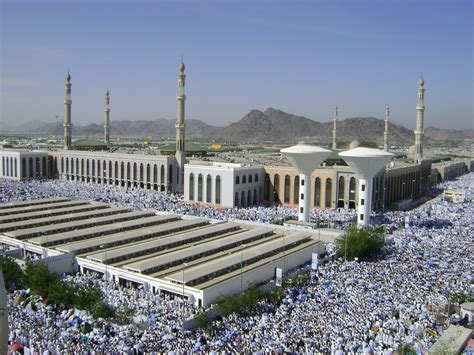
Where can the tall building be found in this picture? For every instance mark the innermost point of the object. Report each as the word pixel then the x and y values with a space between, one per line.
pixel 419 130
pixel 67 113
pixel 180 127
pixel 385 133
pixel 107 118
pixel 334 128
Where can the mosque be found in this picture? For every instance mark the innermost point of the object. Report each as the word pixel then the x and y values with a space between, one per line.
pixel 197 258
pixel 227 184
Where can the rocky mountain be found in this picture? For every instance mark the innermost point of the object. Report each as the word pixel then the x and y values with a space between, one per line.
pixel 161 128
pixel 275 125
pixel 448 134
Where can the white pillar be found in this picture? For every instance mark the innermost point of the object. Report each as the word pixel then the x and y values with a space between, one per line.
pixel 305 195
pixel 365 201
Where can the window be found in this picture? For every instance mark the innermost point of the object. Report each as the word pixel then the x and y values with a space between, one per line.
pixel 363 187
pixel 362 202
pixel 256 177
pixel 244 179
pixel 250 178
pixel 302 196
pixel 361 217
pixel 237 180
pixel 191 186
pixel 301 210
pixel 218 189
pixel 302 182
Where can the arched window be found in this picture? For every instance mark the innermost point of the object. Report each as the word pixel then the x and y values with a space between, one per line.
pixel 352 189
pixel 141 172
pixel 236 199
pixel 256 177
pixel 244 179
pixel 155 173
pixel 200 187
pixel 93 167
pixel 135 168
pixel 3 166
pixel 15 169
pixel 287 189
pixel 128 171
pixel 122 166
pixel 249 198
pixel 37 167
pixel 237 180
pixel 317 192
pixel 267 188
pixel 296 187
pixel 250 179
pixel 82 167
pixel 72 166
pixel 110 169
pixel 191 187
pixel 67 165
pixel 148 177
pixel 30 167
pixel 208 189
pixel 77 166
pixel 116 168
pixel 162 174
pixel 218 190
pixel 242 199
pixel 23 167
pixel 99 171
pixel 44 167
pixel 255 197
pixel 328 192
pixel 276 188
pixel 62 164
pixel 87 167
pixel 170 176
pixel 341 192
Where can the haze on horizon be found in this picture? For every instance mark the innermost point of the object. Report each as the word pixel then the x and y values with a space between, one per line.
pixel 301 57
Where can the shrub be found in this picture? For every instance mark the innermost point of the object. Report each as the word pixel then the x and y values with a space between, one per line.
pixel 363 243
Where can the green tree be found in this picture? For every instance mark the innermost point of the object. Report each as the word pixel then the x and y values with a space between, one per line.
pixel 405 349
pixel 12 272
pixel 102 310
pixel 37 278
pixel 87 297
pixel 363 243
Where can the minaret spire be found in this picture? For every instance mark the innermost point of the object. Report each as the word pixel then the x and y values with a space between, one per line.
pixel 334 128
pixel 180 126
pixel 385 133
pixel 106 118
pixel 67 113
pixel 419 130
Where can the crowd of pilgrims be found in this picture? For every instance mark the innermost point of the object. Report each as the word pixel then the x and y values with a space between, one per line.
pixel 348 307
pixel 142 199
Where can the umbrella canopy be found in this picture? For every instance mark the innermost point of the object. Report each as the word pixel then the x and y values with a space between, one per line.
pixel 16 346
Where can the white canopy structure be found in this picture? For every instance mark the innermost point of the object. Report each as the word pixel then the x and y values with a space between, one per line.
pixel 366 162
pixel 305 158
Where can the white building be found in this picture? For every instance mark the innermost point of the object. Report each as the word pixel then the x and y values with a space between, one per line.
pixel 17 164
pixel 224 184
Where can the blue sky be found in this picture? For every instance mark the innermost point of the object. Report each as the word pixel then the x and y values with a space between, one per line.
pixel 303 57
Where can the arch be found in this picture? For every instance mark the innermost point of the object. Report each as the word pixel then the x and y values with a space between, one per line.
pixel 208 189
pixel 122 168
pixel 72 166
pixel 82 167
pixel 37 167
pixel 77 166
pixel 4 166
pixel 250 178
pixel 276 188
pixel 244 179
pixel 255 197
pixel 23 167
pixel 328 192
pixel 256 177
pixel 44 167
pixel 30 167
pixel 286 193
pixel 135 171
pixel 99 171
pixel 93 167
pixel 162 174
pixel 148 173
pixel 191 187
pixel 87 167
pixel 296 190
pixel 128 171
pixel 15 169
pixel 242 199
pixel 200 187
pixel 62 164
pixel 317 192
pixel 237 180
pixel 249 198
pixel 116 170
pixel 155 173
pixel 67 165
pixel 341 192
pixel 110 169
pixel 266 187
pixel 218 190
pixel 170 176
pixel 140 172
pixel 236 199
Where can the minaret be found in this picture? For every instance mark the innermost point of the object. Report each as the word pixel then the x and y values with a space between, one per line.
pixel 419 131
pixel 106 118
pixel 3 316
pixel 385 133
pixel 67 113
pixel 334 128
pixel 180 126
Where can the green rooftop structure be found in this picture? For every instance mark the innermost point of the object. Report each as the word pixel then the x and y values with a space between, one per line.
pixel 89 144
